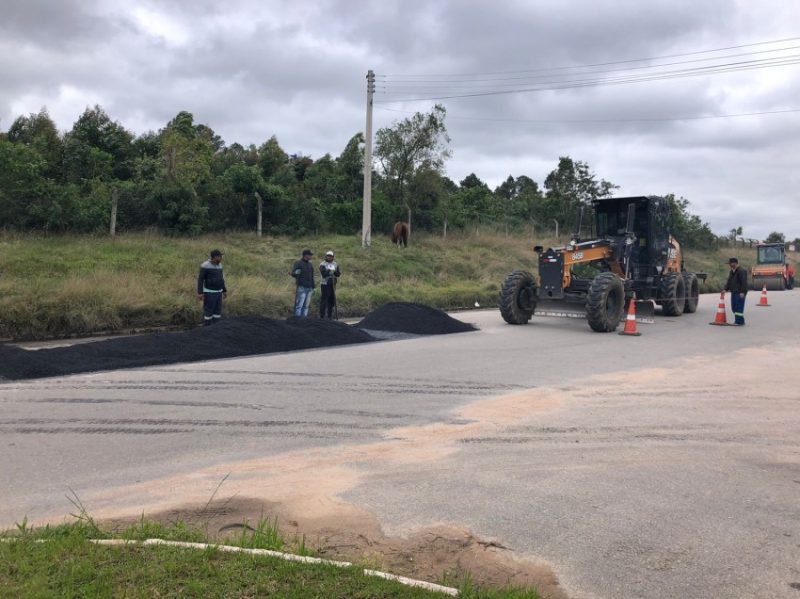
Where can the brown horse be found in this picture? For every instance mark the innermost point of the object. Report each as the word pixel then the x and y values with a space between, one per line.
pixel 400 234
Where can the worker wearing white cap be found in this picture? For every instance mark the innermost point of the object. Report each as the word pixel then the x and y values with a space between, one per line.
pixel 329 273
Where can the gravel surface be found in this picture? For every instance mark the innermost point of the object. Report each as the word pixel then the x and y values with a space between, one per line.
pixel 231 337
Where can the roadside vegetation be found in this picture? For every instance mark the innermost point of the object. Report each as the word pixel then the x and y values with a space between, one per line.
pixel 64 285
pixel 62 561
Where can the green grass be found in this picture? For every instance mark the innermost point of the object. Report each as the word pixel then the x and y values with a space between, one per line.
pixel 61 561
pixel 58 286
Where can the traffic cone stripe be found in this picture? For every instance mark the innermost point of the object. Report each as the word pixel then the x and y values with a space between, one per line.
pixel 630 321
pixel 720 319
pixel 763 301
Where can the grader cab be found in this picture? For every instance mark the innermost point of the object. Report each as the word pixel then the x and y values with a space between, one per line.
pixel 632 256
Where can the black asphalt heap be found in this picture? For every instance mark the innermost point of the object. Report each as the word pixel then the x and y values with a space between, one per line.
pixel 231 337
pixel 417 319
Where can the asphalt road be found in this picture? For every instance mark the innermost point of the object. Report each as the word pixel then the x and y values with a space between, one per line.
pixel 660 465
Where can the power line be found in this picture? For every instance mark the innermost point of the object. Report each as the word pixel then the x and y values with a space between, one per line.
pixel 571 77
pixel 603 64
pixel 627 120
pixel 556 85
pixel 402 83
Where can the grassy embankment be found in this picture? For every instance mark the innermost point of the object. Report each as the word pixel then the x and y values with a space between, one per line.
pixel 54 286
pixel 61 561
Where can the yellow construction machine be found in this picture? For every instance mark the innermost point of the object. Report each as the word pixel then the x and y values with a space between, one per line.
pixel 633 255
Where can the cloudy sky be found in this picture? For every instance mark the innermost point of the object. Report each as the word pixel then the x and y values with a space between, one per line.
pixel 698 98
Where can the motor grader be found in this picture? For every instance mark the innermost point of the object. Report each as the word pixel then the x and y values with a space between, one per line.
pixel 632 257
pixel 772 269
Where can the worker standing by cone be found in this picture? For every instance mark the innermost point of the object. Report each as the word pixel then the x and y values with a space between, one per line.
pixel 737 285
pixel 329 274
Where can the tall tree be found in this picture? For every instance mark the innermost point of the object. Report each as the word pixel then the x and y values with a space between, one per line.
pixel 186 155
pixel 687 228
pixel 418 143
pixel 775 237
pixel 475 199
pixel 97 148
pixel 571 185
pixel 520 199
pixel 271 158
pixel 39 132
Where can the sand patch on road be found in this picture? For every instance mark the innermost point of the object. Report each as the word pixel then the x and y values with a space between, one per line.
pixel 305 487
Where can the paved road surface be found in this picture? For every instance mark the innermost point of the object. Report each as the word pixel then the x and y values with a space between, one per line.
pixel 663 465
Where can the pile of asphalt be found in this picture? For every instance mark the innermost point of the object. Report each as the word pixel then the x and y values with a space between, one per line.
pixel 229 338
pixel 417 319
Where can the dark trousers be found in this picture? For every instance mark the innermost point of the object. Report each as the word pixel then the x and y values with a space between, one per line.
pixel 212 308
pixel 737 305
pixel 327 300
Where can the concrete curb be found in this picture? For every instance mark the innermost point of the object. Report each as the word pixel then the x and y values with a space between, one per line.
pixel 285 556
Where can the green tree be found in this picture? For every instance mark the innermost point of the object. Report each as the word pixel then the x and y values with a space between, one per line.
pixel 186 153
pixel 449 207
pixel 271 158
pixel 519 201
pixel 39 132
pixel 418 143
pixel 475 200
pixel 97 148
pixel 775 237
pixel 687 228
pixel 571 185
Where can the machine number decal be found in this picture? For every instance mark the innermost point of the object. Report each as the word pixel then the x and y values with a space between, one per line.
pixel 577 256
pixel 672 253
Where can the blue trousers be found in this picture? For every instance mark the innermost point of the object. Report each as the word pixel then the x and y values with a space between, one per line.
pixel 302 299
pixel 737 305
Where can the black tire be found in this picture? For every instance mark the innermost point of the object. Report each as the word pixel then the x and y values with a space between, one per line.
pixel 605 303
pixel 692 287
pixel 782 284
pixel 518 297
pixel 671 294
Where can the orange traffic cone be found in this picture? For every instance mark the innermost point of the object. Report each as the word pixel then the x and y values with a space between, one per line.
pixel 763 301
pixel 630 321
pixel 720 319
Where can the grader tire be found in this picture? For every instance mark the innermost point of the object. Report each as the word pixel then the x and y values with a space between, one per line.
pixel 605 302
pixel 518 297
pixel 692 288
pixel 671 292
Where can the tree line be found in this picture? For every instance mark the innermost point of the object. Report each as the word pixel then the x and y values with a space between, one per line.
pixel 185 180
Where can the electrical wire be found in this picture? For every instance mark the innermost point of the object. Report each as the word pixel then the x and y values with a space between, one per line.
pixel 579 77
pixel 626 120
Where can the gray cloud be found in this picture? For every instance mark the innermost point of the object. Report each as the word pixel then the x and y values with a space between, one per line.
pixel 296 70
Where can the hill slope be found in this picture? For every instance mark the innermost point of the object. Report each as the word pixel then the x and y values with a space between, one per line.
pixel 79 285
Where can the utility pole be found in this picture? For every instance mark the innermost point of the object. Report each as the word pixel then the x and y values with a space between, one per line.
pixel 112 229
pixel 260 211
pixel 366 215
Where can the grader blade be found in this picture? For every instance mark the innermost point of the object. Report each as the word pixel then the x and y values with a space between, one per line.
pixel 645 310
pixel 560 308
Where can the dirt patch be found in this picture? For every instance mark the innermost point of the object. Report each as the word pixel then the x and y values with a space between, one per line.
pixel 232 337
pixel 433 554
